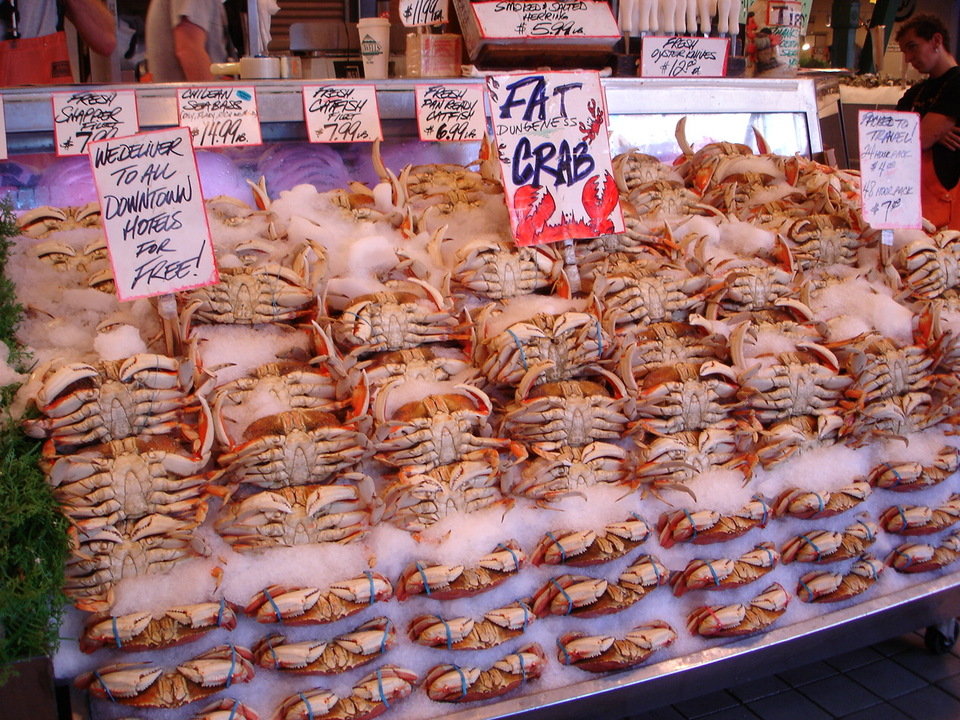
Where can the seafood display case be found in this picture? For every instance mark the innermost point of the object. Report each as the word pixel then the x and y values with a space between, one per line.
pixel 643 117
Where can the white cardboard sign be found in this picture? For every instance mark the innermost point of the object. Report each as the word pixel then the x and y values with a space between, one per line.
pixel 153 213
pixel 890 168
pixel 220 116
pixel 342 113
pixel 554 152
pixel 545 19
pixel 414 13
pixel 666 56
pixel 450 112
pixel 86 116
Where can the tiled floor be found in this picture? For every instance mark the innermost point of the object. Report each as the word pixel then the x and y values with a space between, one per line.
pixel 897 679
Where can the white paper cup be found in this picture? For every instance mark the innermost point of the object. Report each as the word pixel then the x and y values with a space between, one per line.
pixel 374 46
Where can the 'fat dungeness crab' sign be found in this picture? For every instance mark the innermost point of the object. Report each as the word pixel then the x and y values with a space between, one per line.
pixel 551 135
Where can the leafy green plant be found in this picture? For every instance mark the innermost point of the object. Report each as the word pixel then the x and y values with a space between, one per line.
pixel 33 533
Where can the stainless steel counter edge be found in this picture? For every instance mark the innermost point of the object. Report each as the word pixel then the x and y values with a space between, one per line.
pixel 735 662
pixel 29 111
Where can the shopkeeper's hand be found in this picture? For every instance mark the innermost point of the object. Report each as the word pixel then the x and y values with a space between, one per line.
pixel 952 138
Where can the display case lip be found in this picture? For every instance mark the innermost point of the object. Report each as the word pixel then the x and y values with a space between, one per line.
pixel 29 116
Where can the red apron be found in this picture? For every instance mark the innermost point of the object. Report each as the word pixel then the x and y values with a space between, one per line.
pixel 940 206
pixel 41 60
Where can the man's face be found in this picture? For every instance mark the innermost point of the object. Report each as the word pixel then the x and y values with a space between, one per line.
pixel 922 54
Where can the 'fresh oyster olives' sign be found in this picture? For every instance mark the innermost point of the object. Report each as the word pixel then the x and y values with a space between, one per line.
pixel 341 113
pixel 153 213
pixel 554 152
pixel 80 118
pixel 890 168
pixel 677 56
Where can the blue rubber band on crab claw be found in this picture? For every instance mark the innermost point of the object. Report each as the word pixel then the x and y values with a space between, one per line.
pixel 567 660
pixel 446 626
pixel 383 695
pixel 812 544
pixel 423 576
pixel 807 588
pixel 510 550
pixel 463 680
pixel 273 604
pixel 116 633
pixel 599 332
pixel 899 553
pixel 565 595
pixel 306 704
pixel 276 658
pixel 563 554
pixel 903 515
pixel 693 526
pixel 233 710
pixel 383 640
pixel 892 469
pixel 523 355
pixel 716 578
pixel 357 317
pixel 223 605
pixel 523 669
pixel 373 594
pixel 233 665
pixel 526 615
pixel 110 697
pixel 766 510
pixel 870 536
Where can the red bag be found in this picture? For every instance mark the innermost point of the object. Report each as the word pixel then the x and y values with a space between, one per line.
pixel 41 60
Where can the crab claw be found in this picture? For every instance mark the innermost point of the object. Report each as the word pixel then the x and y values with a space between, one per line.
pixel 600 197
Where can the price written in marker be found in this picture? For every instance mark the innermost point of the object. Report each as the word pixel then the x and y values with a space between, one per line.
pixel 890 168
pixel 220 117
pixel 80 118
pixel 153 213
pixel 342 113
pixel 553 18
pixel 450 112
pixel 414 13
pixel 683 57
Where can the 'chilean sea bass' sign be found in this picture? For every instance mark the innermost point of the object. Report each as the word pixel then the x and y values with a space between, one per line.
pixel 153 213
pixel 551 134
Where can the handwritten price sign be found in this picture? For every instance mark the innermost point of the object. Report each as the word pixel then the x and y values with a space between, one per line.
pixel 342 113
pixel 554 18
pixel 414 13
pixel 683 57
pixel 153 213
pixel 83 117
pixel 890 168
pixel 551 134
pixel 450 112
pixel 220 117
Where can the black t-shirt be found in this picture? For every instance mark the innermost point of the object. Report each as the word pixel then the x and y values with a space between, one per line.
pixel 939 95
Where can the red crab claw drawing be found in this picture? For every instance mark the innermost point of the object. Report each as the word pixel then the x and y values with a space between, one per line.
pixel 532 206
pixel 600 197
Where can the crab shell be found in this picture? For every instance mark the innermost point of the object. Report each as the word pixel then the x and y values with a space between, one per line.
pixel 823 546
pixel 586 547
pixel 362 645
pixel 226 709
pixel 741 618
pixel 922 557
pixel 726 572
pixel 447 582
pixel 602 653
pixel 812 505
pixel 452 683
pixel 312 606
pixel 823 586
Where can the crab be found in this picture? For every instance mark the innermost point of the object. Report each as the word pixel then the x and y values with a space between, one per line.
pixel 270 293
pixel 633 168
pixel 396 320
pixel 671 461
pixel 494 628
pixel 588 547
pixel 497 269
pixel 726 572
pixel 665 199
pixel 911 476
pixel 371 696
pixel 602 653
pixel 295 447
pixel 412 365
pixel 144 685
pixel 751 288
pixel 85 403
pixel 570 412
pixel 796 435
pixel 137 631
pixel 126 479
pixel 65 257
pixel 444 582
pixel 704 527
pixel 439 429
pixel 553 475
pixel 685 396
pixel 101 558
pixel 882 369
pixel 824 546
pixel 40 222
pixel 923 557
pixel 297 515
pixel 226 709
pixel 585 596
pixel 920 519
pixel 823 586
pixel 313 606
pixel 292 383
pixel 741 618
pixel 931 266
pixel 452 683
pixel 822 239
pixel 668 343
pixel 414 501
pixel 809 505
pixel 362 645
pixel 542 348
pixel 895 417
pixel 700 167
